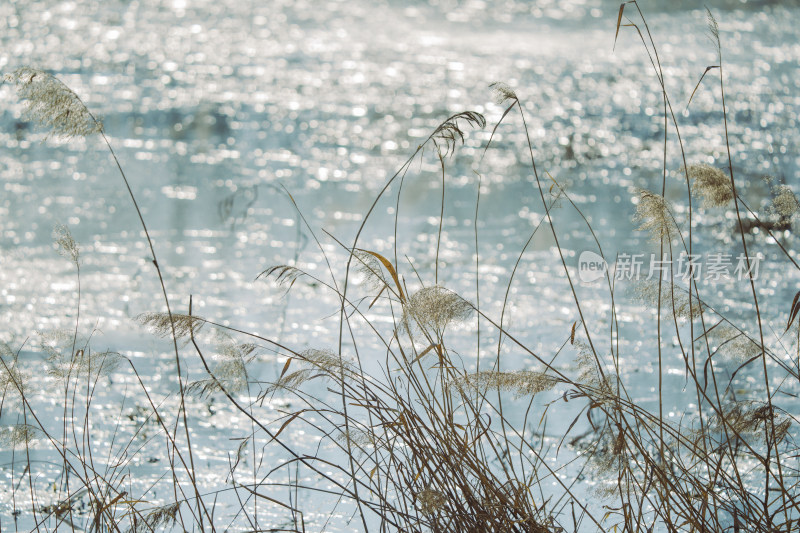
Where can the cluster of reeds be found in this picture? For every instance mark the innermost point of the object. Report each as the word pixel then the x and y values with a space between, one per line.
pixel 428 442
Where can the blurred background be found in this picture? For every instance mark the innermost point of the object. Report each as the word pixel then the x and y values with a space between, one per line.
pixel 213 107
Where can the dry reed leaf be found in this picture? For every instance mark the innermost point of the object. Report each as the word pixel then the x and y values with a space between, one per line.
pixel 286 366
pixel 389 268
pixel 795 308
pixel 619 21
pixel 706 71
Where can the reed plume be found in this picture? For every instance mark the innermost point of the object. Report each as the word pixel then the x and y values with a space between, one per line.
pixel 357 439
pixel 18 435
pixel 674 299
pixel 67 247
pixel 735 345
pixel 607 455
pixel 52 104
pixel 370 268
pixel 430 501
pixel 229 372
pixel 161 324
pixel 319 363
pixel 784 202
pixel 750 418
pixel 713 185
pixel 502 93
pixel 655 216
pixel 159 518
pixel 520 383
pixel 12 377
pixel 433 308
pixel 448 133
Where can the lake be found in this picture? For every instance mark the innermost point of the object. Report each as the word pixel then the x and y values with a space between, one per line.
pixel 247 128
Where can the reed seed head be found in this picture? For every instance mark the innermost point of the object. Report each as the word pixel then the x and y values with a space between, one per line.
pixel 784 203
pixel 433 308
pixel 357 438
pixel 371 269
pixel 713 29
pixel 63 363
pixel 322 363
pixel 520 383
pixel 229 372
pixel 18 435
pixel 430 501
pixel 326 360
pixel 52 104
pixel 712 184
pixel 750 418
pixel 502 92
pixel 161 325
pixel 608 455
pixel 290 381
pixel 13 379
pixel 160 518
pixel 655 216
pixel 674 299
pixel 734 345
pixel 67 247
pixel 587 364
pixel 449 132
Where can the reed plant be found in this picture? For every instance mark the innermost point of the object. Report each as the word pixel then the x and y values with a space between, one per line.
pixel 413 433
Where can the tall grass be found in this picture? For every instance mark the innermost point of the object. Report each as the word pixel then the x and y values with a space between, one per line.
pixel 423 440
